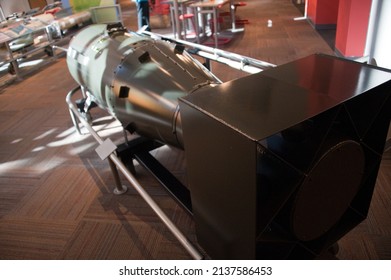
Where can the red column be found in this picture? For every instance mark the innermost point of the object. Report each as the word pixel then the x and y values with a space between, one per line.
pixel 323 13
pixel 352 27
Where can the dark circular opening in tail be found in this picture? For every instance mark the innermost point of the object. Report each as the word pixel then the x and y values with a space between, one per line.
pixel 328 190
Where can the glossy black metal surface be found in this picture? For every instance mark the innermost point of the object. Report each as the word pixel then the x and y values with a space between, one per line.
pixel 333 78
pixel 278 98
pixel 267 157
pixel 139 149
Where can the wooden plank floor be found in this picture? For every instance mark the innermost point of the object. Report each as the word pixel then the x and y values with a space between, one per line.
pixel 56 198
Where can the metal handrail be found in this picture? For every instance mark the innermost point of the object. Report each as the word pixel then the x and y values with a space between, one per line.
pixel 215 54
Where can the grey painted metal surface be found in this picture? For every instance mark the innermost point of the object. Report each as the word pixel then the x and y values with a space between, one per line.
pixel 138 79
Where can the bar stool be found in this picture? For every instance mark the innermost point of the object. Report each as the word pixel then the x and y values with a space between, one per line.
pixel 220 20
pixel 221 40
pixel 240 4
pixel 237 21
pixel 187 17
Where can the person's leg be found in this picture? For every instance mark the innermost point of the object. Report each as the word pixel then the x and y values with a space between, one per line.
pixel 145 15
pixel 139 15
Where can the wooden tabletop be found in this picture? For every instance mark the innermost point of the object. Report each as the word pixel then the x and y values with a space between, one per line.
pixel 209 4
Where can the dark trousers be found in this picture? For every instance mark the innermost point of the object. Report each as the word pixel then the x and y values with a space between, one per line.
pixel 143 14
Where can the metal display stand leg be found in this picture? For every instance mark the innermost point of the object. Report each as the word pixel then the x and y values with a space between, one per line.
pixel 116 164
pixel 120 189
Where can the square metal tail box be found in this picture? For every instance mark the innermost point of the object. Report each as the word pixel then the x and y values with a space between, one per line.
pixel 283 163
